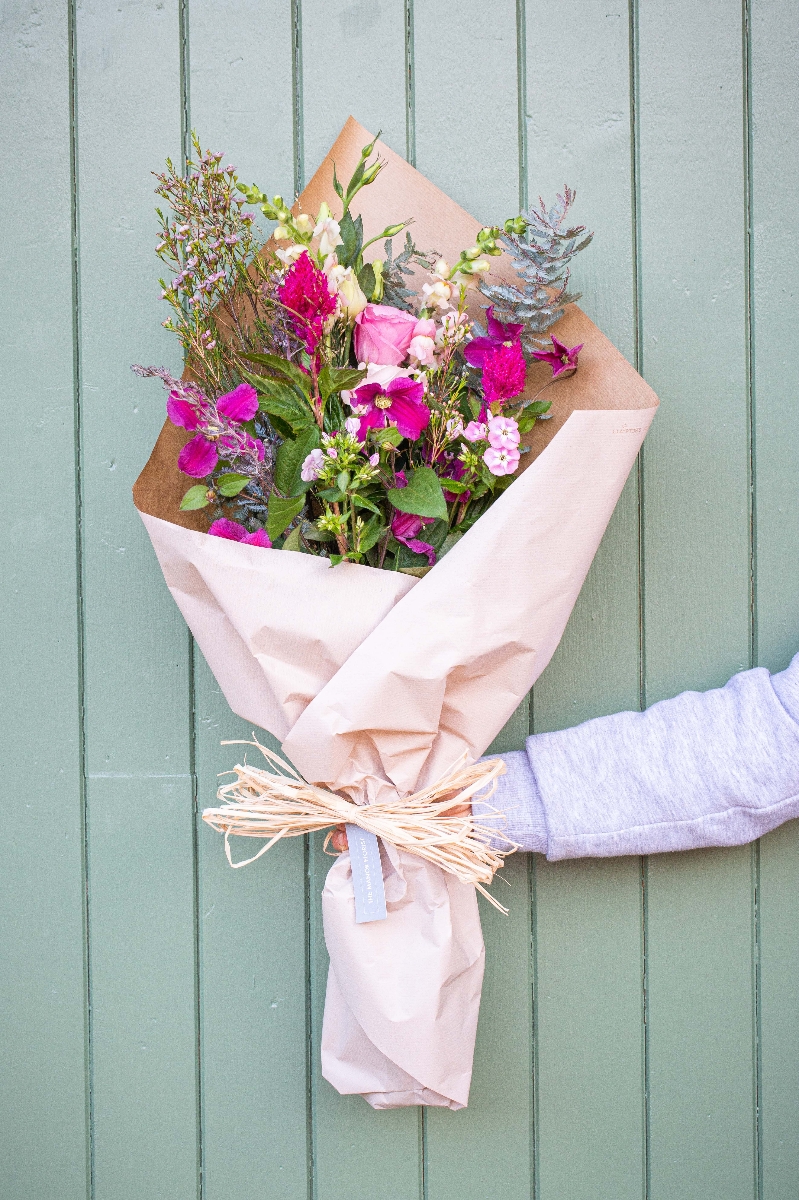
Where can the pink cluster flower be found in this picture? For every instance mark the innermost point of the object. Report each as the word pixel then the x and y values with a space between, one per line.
pixel 312 466
pixel 237 533
pixel 502 455
pixel 306 294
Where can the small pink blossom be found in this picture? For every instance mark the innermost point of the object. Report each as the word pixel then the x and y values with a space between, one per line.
pixel 475 431
pixel 501 462
pixel 503 433
pixel 352 426
pixel 312 466
pixel 374 459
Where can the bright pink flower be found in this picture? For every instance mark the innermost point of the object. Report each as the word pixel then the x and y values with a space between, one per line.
pixel 504 370
pixel 383 334
pixel 237 533
pixel 501 462
pixel 306 294
pixel 399 402
pixel 560 357
pixel 499 334
pixel 503 433
pixel 405 527
pixel 239 405
pixel 198 457
pixel 182 412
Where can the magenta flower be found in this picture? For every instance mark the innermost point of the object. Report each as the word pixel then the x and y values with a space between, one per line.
pixel 499 334
pixel 306 295
pixel 400 401
pixel 501 462
pixel 220 428
pixel 560 357
pixel 405 527
pixel 237 533
pixel 504 371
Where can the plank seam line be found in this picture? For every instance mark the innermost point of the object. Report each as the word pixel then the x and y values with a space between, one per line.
pixel 410 85
pixel 80 603
pixel 137 775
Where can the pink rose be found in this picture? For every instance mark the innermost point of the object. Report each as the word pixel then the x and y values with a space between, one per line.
pixel 383 334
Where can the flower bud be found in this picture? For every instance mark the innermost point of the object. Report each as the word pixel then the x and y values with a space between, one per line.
pixel 351 297
pixel 277 201
pixel 393 230
pixel 441 268
pixel 472 253
pixel 304 223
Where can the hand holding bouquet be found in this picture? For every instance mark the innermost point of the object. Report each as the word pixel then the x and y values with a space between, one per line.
pixel 357 406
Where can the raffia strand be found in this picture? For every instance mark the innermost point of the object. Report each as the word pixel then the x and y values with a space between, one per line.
pixel 276 803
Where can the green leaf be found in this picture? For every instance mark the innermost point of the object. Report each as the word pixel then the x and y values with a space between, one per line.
pixel 196 497
pixel 332 495
pixel 293 542
pixel 338 379
pixel 390 435
pixel 362 502
pixel 423 496
pixel 526 422
pixel 312 533
pixel 372 533
pixel 351 238
pixel 539 407
pixel 337 188
pixel 232 483
pixel 290 457
pixel 280 368
pixel 281 513
pixel 455 486
pixel 281 401
pixel 367 280
pixel 449 541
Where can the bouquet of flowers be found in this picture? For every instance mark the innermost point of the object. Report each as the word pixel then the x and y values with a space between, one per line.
pixel 378 414
pixel 334 412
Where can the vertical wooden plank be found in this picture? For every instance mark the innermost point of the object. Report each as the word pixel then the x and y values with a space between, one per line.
pixel 701 1068
pixel 43 1110
pixel 774 37
pixel 137 696
pixel 353 64
pixel 253 921
pixel 472 153
pixel 589 1117
pixel 697 562
pixel 382 1147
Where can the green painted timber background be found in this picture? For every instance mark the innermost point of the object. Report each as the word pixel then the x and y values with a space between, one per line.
pixel 639 1035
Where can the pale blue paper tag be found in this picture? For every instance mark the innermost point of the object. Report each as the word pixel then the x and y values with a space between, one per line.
pixel 367 875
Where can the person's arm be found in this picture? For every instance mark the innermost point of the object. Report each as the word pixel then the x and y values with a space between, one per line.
pixel 715 768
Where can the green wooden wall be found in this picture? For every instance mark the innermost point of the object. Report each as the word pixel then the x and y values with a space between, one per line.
pixel 161 1014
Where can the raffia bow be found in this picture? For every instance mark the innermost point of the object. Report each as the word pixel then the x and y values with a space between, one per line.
pixel 278 803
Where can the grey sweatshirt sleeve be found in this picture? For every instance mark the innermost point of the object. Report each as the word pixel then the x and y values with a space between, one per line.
pixel 715 768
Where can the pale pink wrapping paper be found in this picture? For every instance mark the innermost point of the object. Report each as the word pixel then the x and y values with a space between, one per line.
pixel 376 682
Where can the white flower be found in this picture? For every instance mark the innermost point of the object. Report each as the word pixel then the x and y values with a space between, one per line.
pixel 312 466
pixel 291 253
pixel 454 328
pixel 327 230
pixel 423 349
pixel 281 233
pixel 304 223
pixel 437 294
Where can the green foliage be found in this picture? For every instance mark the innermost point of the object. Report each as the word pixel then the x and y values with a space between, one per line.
pixel 231 483
pixel 281 513
pixel 423 496
pixel 290 458
pixel 196 497
pixel 396 270
pixel 541 257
